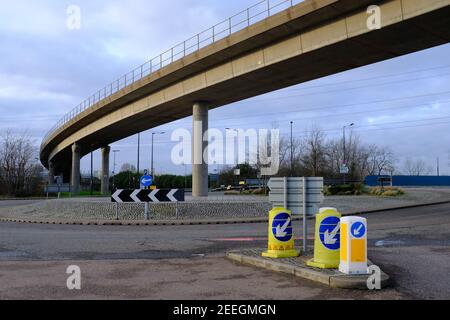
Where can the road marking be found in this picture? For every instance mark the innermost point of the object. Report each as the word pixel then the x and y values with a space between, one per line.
pixel 134 196
pixel 250 239
pixel 152 196
pixel 171 194
pixel 330 237
pixel 281 231
pixel 116 196
pixel 358 231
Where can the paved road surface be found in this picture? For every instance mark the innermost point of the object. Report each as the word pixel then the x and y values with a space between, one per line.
pixel 187 262
pixel 13 203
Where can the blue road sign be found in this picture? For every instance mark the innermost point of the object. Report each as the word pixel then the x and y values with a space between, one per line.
pixel 330 233
pixel 358 230
pixel 282 227
pixel 145 172
pixel 146 181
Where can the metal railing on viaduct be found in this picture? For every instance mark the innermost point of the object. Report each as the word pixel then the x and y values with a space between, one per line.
pixel 239 21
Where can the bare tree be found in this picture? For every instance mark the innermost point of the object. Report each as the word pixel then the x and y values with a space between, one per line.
pixel 357 156
pixel 314 157
pixel 268 152
pixel 380 160
pixel 285 157
pixel 127 167
pixel 19 168
pixel 416 168
pixel 334 155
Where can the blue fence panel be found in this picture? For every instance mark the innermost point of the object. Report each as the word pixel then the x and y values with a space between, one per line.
pixel 411 181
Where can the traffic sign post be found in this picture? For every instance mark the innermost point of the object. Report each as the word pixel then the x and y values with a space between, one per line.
pixel 327 241
pixel 142 196
pixel 289 193
pixel 302 196
pixel 281 235
pixel 146 181
pixel 353 246
pixel 146 197
pixel 344 169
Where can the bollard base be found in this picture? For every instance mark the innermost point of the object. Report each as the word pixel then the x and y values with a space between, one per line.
pixel 297 267
pixel 361 269
pixel 322 265
pixel 281 254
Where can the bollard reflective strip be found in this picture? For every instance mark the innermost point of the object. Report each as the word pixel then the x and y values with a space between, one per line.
pixel 344 241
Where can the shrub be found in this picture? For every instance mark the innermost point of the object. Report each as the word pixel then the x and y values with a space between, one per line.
pixel 386 192
pixel 259 192
pixel 344 190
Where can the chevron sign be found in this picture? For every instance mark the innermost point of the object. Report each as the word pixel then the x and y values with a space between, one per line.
pixel 173 195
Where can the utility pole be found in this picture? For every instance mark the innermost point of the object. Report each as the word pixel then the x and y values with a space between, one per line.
pixel 185 175
pixel 152 169
pixel 438 167
pixel 292 149
pixel 237 146
pixel 114 169
pixel 138 153
pixel 345 151
pixel 92 173
pixel 235 177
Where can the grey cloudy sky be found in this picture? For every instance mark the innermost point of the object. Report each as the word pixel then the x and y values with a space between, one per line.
pixel 46 70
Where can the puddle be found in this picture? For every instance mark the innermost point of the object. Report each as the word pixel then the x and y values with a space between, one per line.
pixel 389 243
pixel 410 242
pixel 12 254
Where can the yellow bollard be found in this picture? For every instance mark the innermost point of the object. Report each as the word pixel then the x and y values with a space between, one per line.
pixel 281 236
pixel 327 241
pixel 354 246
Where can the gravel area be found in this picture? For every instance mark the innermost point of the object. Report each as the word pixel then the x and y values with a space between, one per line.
pixel 214 207
pixel 100 210
pixel 365 202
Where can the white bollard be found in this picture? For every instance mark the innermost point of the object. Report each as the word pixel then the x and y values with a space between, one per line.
pixel 353 246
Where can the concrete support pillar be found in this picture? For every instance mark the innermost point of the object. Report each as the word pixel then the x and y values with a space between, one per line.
pixel 51 173
pixel 75 175
pixel 105 170
pixel 199 145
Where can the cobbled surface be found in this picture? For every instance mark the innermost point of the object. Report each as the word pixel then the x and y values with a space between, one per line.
pixel 216 207
pixel 79 210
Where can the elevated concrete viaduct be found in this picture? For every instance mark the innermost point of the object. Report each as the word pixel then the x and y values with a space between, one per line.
pixel 310 40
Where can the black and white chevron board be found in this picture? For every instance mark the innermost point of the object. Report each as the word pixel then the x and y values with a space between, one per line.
pixel 154 196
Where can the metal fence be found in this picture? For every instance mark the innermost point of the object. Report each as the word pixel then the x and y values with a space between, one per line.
pixel 410 181
pixel 239 21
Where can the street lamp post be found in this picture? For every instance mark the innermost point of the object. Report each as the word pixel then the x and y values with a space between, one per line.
pixel 153 143
pixel 138 153
pixel 345 150
pixel 92 173
pixel 237 145
pixel 236 149
pixel 438 167
pixel 185 175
